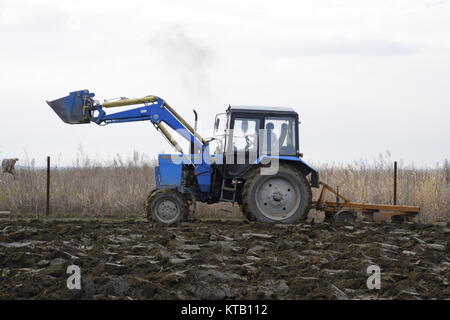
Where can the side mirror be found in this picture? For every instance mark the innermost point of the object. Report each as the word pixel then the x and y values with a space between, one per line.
pixel 216 124
pixel 219 130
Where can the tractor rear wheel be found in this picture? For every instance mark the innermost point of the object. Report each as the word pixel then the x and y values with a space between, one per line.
pixel 281 198
pixel 167 206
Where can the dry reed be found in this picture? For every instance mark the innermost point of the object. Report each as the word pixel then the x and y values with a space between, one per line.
pixel 120 188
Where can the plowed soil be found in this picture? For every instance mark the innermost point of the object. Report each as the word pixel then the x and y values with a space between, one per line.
pixel 223 260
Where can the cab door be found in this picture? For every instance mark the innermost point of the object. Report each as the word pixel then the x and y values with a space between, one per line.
pixel 242 147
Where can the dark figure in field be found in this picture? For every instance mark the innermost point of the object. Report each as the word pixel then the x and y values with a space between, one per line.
pixel 8 166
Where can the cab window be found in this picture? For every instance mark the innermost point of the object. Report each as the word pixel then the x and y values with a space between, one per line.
pixel 245 134
pixel 279 136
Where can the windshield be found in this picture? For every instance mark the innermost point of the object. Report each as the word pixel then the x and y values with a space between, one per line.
pixel 245 133
pixel 279 136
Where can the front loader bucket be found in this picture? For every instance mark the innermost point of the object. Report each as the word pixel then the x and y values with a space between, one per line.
pixel 73 109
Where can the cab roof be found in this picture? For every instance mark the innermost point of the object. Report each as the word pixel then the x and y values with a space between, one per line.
pixel 261 109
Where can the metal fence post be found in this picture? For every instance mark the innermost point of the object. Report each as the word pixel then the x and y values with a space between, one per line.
pixel 395 182
pixel 47 211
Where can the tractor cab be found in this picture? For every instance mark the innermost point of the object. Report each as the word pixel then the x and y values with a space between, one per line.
pixel 258 130
pixel 248 134
pixel 265 130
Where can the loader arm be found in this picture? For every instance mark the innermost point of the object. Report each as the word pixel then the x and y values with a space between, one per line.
pixel 79 107
pixel 155 110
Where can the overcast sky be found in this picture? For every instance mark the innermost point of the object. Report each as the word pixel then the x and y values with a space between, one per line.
pixel 364 76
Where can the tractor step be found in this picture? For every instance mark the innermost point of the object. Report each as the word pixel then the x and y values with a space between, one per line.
pixel 228 194
pixel 228 189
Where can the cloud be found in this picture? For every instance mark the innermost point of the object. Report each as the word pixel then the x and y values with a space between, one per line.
pixel 20 17
pixel 345 47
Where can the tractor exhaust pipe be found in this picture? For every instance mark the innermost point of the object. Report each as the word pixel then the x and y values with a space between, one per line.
pixel 195 130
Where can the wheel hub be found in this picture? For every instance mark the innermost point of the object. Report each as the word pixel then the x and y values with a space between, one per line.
pixel 167 210
pixel 278 198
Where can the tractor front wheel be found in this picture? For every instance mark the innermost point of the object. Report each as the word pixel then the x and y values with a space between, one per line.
pixel 166 206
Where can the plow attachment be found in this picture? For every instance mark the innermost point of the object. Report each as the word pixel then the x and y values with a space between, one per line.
pixel 344 209
pixel 76 108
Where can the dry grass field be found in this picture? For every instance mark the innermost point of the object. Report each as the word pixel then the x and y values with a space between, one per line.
pixel 119 188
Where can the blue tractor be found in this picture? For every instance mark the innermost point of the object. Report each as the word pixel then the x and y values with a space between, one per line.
pixel 256 160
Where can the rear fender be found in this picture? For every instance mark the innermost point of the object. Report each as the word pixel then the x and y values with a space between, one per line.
pixel 304 167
